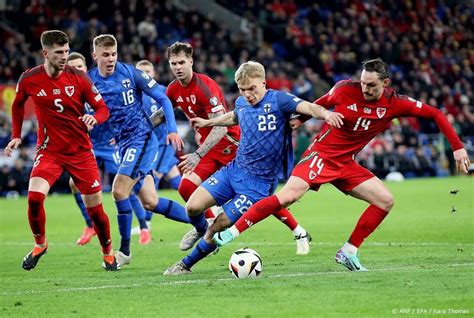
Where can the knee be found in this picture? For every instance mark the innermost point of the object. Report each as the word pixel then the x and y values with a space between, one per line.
pixel 149 205
pixel 288 198
pixel 35 199
pixel 193 208
pixel 119 194
pixel 386 202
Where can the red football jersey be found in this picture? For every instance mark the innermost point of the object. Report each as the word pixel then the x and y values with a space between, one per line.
pixel 59 104
pixel 201 97
pixel 363 120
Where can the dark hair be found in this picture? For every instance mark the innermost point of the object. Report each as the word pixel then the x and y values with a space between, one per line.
pixel 76 56
pixel 49 38
pixel 378 66
pixel 178 47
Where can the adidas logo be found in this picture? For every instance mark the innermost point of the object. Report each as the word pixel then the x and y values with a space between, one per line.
pixel 248 222
pixel 41 93
pixel 179 100
pixel 352 107
pixel 95 184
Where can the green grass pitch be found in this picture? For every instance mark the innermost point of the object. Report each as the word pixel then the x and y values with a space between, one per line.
pixel 420 259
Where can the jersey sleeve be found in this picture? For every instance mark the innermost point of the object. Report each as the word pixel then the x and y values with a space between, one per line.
pixel 212 96
pixel 94 99
pixel 150 87
pixel 407 106
pixel 18 109
pixel 287 102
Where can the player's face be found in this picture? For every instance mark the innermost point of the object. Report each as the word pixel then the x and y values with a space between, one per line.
pixel 106 58
pixel 148 69
pixel 253 90
pixel 181 67
pixel 78 64
pixel 372 85
pixel 56 56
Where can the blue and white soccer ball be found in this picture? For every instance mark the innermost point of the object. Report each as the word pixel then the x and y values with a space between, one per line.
pixel 244 263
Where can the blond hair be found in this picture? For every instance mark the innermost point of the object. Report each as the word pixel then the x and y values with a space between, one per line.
pixel 104 40
pixel 143 62
pixel 249 70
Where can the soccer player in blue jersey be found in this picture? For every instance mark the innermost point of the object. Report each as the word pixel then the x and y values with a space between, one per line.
pixel 108 160
pixel 166 166
pixel 264 156
pixel 122 87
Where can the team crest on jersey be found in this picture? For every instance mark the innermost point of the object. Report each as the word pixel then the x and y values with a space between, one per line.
pixel 312 175
pixel 69 90
pixel 213 101
pixel 126 83
pixel 267 108
pixel 193 99
pixel 226 151
pixel 381 111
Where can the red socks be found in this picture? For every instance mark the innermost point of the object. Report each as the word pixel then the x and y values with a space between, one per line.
pixel 101 227
pixel 186 188
pixel 37 216
pixel 368 222
pixel 286 217
pixel 259 211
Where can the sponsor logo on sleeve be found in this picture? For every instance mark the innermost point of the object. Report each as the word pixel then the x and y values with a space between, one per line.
pixel 214 101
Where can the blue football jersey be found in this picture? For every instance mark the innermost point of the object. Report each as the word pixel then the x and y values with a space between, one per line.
pixel 150 106
pixel 101 134
pixel 265 149
pixel 122 92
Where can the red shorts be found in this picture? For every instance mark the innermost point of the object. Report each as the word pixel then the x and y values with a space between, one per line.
pixel 214 160
pixel 82 167
pixel 317 171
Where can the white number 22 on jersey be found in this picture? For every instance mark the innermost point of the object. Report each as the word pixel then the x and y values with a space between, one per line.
pixel 267 122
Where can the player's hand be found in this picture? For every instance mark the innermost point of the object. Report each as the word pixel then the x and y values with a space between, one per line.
pixel 89 121
pixel 334 119
pixel 175 140
pixel 295 123
pixel 462 160
pixel 190 161
pixel 13 144
pixel 198 122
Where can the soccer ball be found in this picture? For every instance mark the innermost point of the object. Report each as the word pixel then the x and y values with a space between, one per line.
pixel 244 263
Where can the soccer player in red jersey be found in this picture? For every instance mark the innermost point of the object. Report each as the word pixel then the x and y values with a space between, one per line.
pixel 200 96
pixel 368 107
pixel 59 93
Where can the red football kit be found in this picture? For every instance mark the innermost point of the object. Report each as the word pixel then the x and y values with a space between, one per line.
pixel 63 140
pixel 202 97
pixel 330 157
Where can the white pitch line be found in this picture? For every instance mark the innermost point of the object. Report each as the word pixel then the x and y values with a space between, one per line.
pixel 421 244
pixel 207 281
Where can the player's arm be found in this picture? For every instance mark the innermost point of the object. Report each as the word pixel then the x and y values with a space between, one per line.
pixel 18 113
pixel 190 161
pixel 319 112
pixel 228 119
pixel 410 107
pixel 94 99
pixel 150 87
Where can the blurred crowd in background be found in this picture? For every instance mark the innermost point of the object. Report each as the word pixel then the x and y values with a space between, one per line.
pixel 306 48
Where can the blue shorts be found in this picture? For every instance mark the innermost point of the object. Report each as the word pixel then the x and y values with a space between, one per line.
pixel 107 159
pixel 138 157
pixel 236 191
pixel 166 159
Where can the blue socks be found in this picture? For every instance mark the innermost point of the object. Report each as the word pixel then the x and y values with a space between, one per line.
pixel 140 212
pixel 171 210
pixel 174 183
pixel 83 209
pixel 201 250
pixel 199 222
pixel 124 219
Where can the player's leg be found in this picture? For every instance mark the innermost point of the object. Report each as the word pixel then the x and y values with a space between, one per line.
pixel 292 191
pixel 140 213
pixel 302 237
pixel 88 231
pixel 86 176
pixel 173 177
pixel 37 191
pixel 189 183
pixel 199 201
pixel 151 202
